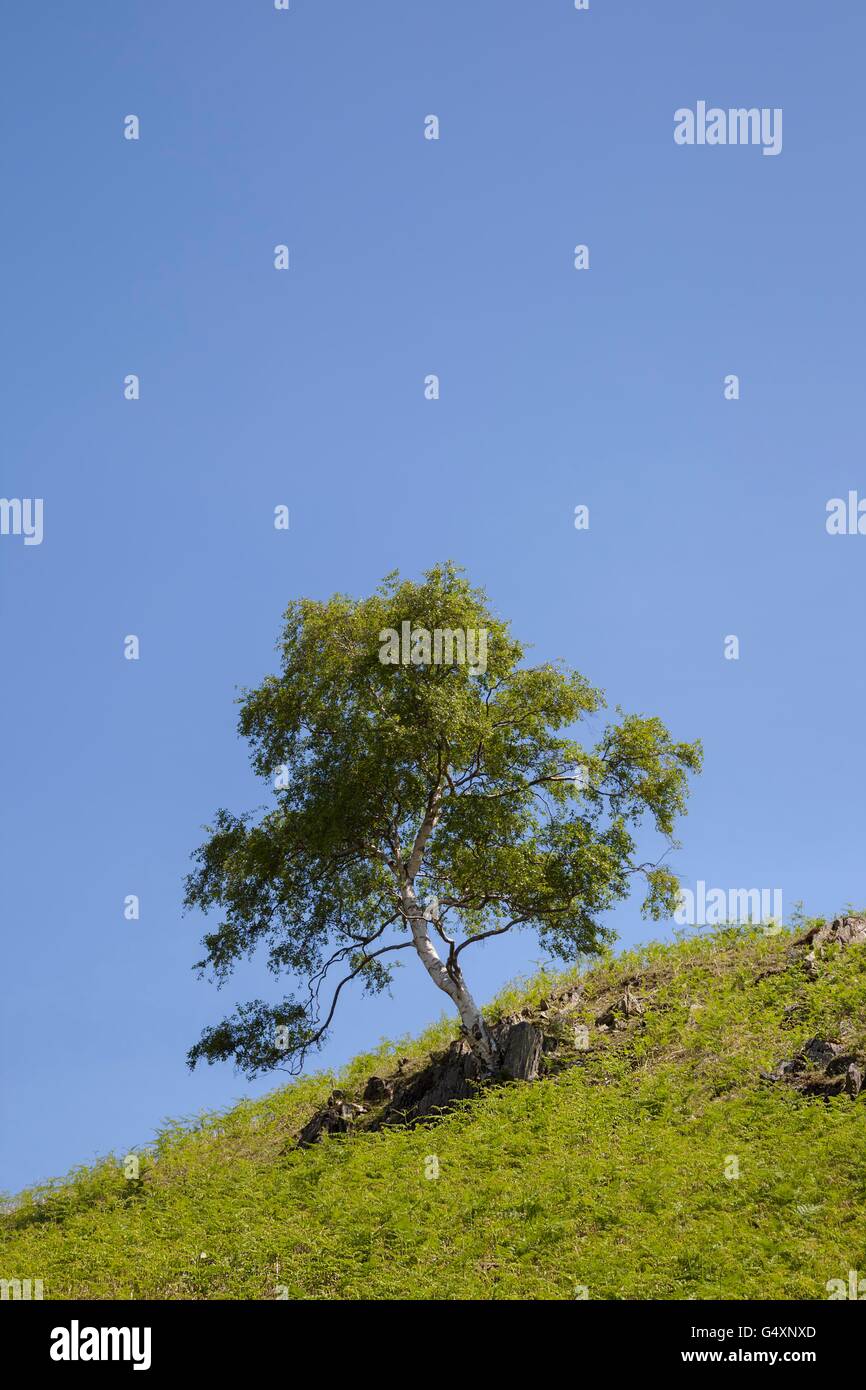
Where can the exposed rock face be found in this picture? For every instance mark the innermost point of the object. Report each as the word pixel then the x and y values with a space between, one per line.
pixel 820 1068
pixel 377 1090
pixel 456 1074
pixel 449 1077
pixel 336 1117
pixel 617 1016
pixel 820 1052
pixel 844 931
pixel 522 1053
pixel 823 1067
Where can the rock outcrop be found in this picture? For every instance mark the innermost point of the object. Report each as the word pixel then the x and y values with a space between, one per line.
pixel 406 1097
pixel 337 1116
pixel 547 1036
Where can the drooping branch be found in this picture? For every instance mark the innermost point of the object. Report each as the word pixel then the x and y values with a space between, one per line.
pixel 485 935
pixel 368 957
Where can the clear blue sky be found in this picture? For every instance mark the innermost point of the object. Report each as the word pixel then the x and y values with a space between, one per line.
pixel 408 257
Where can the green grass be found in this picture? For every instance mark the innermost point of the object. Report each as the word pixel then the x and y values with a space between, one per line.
pixel 609 1176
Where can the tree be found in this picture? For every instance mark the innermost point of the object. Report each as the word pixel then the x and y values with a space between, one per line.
pixel 428 798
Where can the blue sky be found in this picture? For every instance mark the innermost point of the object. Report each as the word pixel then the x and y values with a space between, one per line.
pixel 305 387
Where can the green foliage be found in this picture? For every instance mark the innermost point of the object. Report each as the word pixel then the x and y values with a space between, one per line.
pixel 421 780
pixel 610 1175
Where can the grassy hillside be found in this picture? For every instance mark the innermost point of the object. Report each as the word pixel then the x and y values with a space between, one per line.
pixel 609 1176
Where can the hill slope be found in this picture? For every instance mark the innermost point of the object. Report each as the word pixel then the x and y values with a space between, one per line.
pixel 658 1163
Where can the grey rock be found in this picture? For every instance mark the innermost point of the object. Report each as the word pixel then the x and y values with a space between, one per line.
pixel 377 1090
pixel 522 1052
pixel 819 1052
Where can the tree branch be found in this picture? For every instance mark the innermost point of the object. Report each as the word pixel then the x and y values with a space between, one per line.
pixel 484 935
pixel 399 946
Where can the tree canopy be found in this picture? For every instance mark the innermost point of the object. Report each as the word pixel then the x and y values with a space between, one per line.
pixel 430 794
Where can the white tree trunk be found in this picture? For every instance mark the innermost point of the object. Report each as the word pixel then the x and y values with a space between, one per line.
pixel 452 984
pixel 451 981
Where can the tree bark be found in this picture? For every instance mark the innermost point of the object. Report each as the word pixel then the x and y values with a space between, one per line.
pixel 448 978
pixel 452 983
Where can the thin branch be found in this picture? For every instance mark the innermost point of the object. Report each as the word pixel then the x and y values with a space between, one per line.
pixel 485 935
pixel 400 946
